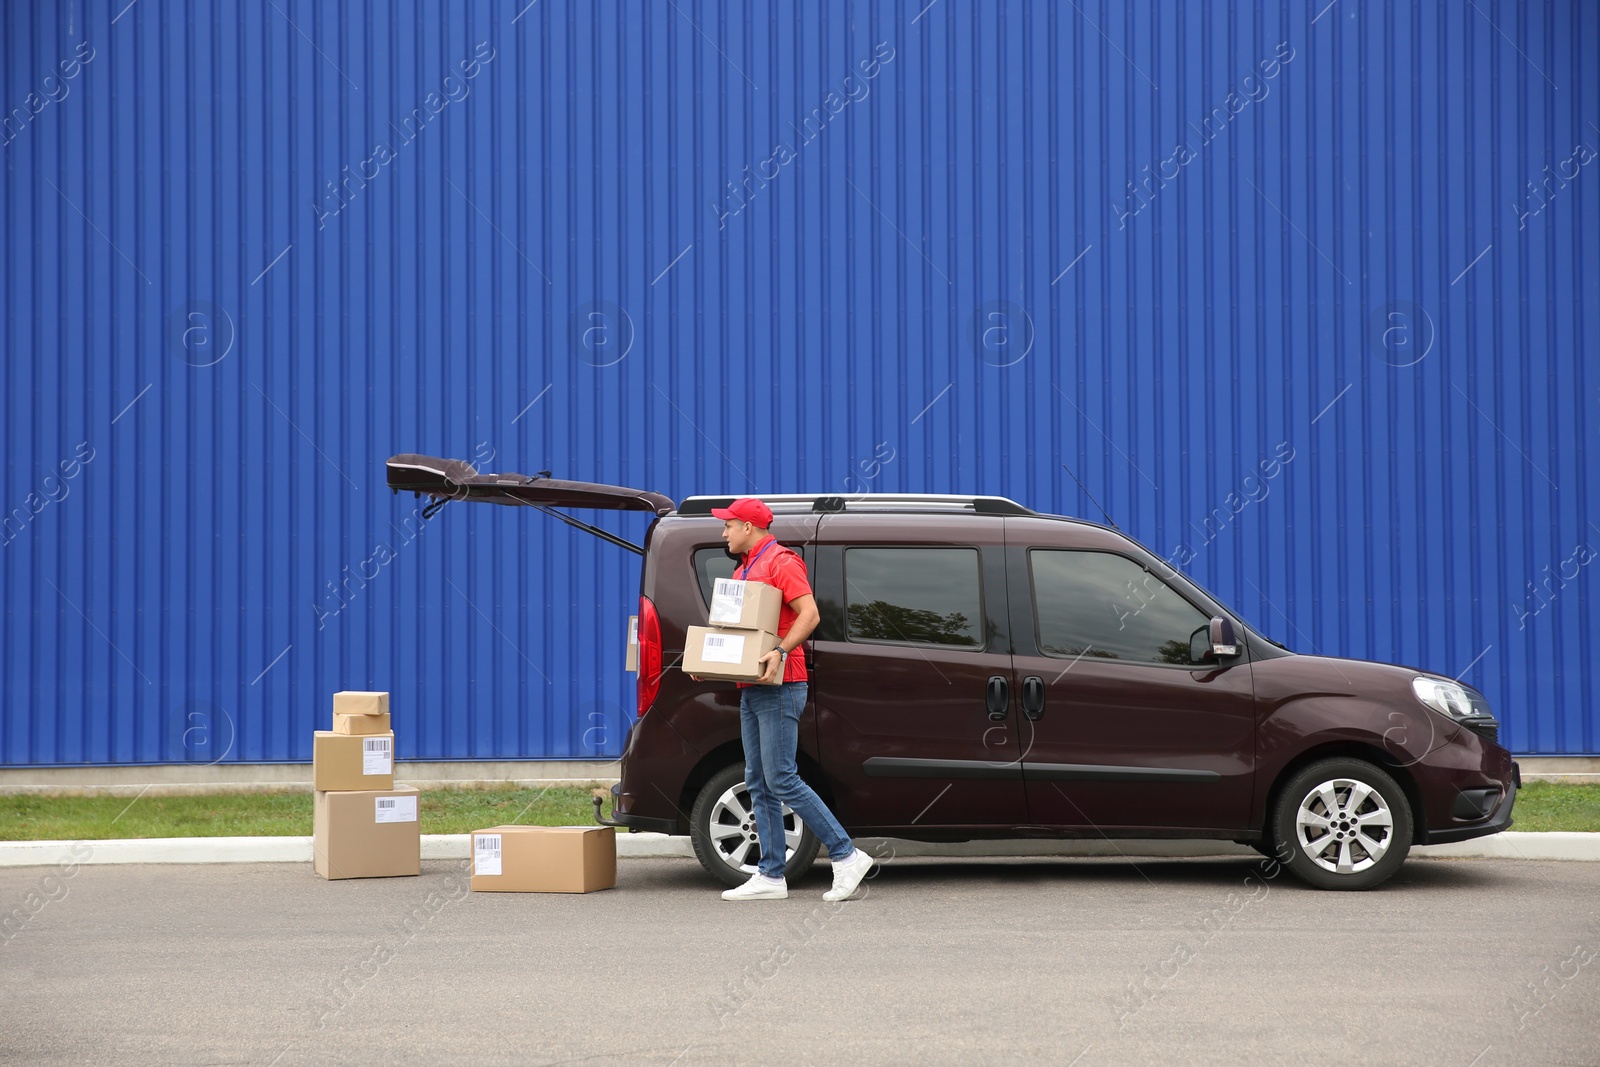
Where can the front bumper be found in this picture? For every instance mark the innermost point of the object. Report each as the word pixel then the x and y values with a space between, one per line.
pixel 1499 820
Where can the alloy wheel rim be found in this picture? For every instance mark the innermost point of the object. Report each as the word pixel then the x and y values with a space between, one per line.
pixel 733 830
pixel 1344 826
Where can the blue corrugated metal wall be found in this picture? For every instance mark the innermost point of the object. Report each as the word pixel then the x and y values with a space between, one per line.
pixel 1305 294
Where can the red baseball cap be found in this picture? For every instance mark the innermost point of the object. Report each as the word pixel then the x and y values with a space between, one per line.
pixel 746 509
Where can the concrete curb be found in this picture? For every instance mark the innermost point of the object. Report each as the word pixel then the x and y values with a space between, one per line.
pixel 1519 845
pixel 158 850
pixel 1512 845
pixel 266 850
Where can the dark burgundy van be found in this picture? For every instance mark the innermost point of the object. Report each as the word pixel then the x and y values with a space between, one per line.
pixel 985 671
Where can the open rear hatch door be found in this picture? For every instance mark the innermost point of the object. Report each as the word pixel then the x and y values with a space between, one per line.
pixel 453 479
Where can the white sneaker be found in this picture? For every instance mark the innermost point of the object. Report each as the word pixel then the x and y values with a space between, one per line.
pixel 847 875
pixel 759 887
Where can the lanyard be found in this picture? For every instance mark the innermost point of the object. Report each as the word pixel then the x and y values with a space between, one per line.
pixel 758 555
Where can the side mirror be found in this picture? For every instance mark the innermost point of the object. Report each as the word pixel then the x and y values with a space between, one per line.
pixel 1223 641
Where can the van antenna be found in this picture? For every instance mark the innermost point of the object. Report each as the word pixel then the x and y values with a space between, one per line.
pixel 1092 500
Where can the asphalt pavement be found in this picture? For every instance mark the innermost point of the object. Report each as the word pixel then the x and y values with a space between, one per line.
pixel 1057 961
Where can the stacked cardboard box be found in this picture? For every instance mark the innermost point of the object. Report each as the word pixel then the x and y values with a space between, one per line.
pixel 744 624
pixel 360 713
pixel 363 826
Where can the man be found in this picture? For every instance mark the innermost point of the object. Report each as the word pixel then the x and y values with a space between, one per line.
pixel 769 715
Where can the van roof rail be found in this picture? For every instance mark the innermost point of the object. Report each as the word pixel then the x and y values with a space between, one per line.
pixel 832 503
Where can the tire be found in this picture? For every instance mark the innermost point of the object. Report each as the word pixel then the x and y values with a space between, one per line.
pixel 723 831
pixel 1368 837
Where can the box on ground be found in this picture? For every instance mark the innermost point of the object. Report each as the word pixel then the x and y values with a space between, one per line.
pixel 745 605
pixel 633 643
pixel 372 833
pixel 351 702
pixel 544 859
pixel 726 655
pixel 344 723
pixel 352 761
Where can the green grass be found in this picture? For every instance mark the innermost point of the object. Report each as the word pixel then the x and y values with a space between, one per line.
pixel 443 811
pixel 1540 806
pixel 1555 806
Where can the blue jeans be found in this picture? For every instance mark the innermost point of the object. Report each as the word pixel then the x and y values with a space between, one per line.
pixel 769 719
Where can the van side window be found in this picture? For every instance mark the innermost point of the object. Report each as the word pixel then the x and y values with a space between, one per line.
pixel 1104 605
pixel 914 596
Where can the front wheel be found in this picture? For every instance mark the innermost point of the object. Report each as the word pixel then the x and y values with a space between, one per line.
pixel 1345 823
pixel 722 827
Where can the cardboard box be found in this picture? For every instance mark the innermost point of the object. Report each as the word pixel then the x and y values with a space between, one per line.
pixel 740 605
pixel 366 834
pixel 544 859
pixel 354 703
pixel 352 761
pixel 727 655
pixel 360 713
pixel 633 643
pixel 360 724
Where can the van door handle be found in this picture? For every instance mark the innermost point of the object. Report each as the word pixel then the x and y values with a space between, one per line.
pixel 997 695
pixel 1033 697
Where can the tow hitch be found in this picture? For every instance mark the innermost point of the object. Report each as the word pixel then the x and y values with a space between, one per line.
pixel 599 797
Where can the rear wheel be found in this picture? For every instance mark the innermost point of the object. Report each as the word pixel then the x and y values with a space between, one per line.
pixel 722 827
pixel 1345 823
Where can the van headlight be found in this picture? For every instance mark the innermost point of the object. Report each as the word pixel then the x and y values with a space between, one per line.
pixel 1445 697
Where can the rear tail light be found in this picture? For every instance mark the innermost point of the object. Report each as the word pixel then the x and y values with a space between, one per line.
pixel 649 654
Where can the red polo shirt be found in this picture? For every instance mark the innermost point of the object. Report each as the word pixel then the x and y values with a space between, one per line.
pixel 782 568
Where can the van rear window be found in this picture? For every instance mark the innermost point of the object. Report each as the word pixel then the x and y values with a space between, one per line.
pixel 713 563
pixel 709 565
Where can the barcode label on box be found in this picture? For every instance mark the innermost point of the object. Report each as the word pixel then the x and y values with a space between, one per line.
pixel 395 809
pixel 376 756
pixel 486 854
pixel 727 601
pixel 722 648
